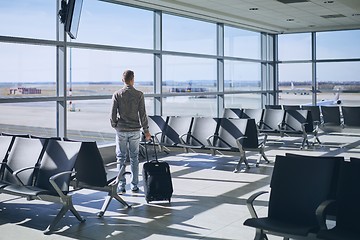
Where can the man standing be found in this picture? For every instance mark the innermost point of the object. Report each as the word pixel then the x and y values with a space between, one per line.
pixel 128 115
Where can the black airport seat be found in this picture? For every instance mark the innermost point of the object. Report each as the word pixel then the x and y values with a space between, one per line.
pixel 296 192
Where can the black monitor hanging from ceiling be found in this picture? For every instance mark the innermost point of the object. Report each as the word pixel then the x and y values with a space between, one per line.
pixel 73 13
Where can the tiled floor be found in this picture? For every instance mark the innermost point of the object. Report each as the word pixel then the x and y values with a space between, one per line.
pixel 208 200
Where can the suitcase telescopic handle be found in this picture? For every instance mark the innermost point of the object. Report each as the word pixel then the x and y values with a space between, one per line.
pixel 152 139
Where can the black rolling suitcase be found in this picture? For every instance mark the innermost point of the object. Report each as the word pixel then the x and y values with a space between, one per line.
pixel 157 178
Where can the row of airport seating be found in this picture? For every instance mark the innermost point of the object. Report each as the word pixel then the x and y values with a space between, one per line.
pixel 207 133
pixel 328 117
pixel 50 169
pixel 289 122
pixel 302 199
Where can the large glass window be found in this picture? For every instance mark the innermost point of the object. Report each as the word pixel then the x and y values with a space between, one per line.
pixel 95 72
pixel 294 46
pixel 35 118
pixel 112 24
pixel 27 70
pixel 241 43
pixel 32 19
pixel 242 76
pixel 338 44
pixel 188 35
pixel 188 74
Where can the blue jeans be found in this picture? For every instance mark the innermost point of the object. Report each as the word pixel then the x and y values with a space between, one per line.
pixel 128 141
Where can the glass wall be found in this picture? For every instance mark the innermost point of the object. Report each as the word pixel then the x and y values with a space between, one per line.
pixel 295 69
pixel 338 70
pixel 192 73
pixel 241 74
pixel 333 73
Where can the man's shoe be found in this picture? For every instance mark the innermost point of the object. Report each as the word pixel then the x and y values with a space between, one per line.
pixel 121 190
pixel 135 189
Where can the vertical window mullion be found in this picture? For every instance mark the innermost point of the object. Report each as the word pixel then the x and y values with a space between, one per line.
pixel 313 62
pixel 220 69
pixel 61 78
pixel 158 63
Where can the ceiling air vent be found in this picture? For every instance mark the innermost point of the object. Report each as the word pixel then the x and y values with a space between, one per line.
pixel 333 16
pixel 292 1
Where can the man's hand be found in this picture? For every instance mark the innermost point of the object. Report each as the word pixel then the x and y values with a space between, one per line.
pixel 147 136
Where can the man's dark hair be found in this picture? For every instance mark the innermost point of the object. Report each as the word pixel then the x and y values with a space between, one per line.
pixel 128 75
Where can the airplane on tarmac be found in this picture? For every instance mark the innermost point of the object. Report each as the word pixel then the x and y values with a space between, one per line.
pixel 327 102
pixel 300 91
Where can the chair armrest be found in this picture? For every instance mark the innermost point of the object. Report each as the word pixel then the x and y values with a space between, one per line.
pixel 16 173
pixel 239 141
pixel 54 184
pixel 321 213
pixel 250 203
pixel 156 134
pixel 181 138
pixel 209 139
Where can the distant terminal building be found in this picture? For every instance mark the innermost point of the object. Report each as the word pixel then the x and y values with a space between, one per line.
pixel 24 90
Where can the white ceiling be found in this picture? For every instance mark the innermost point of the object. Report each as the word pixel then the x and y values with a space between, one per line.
pixel 271 16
